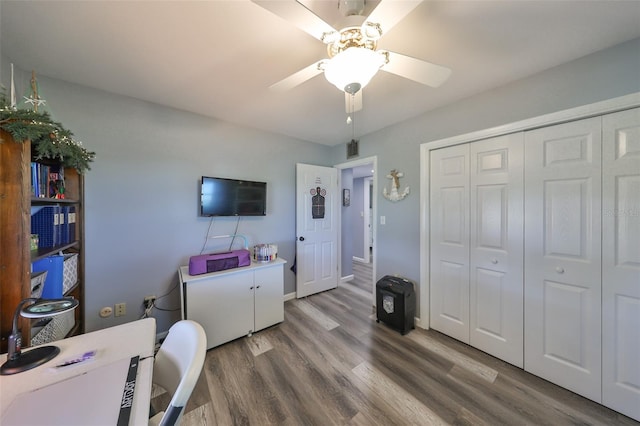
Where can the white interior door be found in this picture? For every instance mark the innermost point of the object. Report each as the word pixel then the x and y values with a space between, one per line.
pixel 449 192
pixel 563 255
pixel 317 201
pixel 496 248
pixel 621 262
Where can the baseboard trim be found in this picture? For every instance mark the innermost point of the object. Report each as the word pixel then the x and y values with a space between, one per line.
pixel 290 296
pixel 347 278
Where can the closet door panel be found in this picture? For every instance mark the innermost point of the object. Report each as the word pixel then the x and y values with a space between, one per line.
pixel 449 225
pixel 621 263
pixel 496 247
pixel 563 255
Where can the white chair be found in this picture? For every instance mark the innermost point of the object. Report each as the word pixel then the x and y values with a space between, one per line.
pixel 177 367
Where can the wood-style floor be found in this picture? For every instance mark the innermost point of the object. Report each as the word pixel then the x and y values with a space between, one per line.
pixel 331 363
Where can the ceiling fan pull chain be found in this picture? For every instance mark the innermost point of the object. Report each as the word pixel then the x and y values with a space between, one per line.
pixel 353 119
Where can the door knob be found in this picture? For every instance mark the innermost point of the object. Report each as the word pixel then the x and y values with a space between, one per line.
pixel 301 238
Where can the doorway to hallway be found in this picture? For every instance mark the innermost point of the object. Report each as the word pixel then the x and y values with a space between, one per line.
pixel 358 227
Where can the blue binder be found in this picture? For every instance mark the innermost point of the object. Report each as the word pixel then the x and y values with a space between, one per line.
pixel 68 225
pixel 46 223
pixel 72 223
pixel 53 283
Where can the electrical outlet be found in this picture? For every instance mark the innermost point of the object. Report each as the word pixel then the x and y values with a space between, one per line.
pixel 148 301
pixel 121 309
pixel 106 312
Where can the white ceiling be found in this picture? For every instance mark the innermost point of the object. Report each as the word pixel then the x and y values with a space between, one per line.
pixel 218 58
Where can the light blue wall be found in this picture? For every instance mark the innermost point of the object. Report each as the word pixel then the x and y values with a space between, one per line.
pixel 603 75
pixel 141 202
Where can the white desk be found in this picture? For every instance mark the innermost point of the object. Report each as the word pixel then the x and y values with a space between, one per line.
pixel 88 393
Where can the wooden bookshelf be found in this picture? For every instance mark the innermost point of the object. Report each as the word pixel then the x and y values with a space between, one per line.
pixel 15 230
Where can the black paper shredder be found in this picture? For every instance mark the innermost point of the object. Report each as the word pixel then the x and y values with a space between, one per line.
pixel 396 303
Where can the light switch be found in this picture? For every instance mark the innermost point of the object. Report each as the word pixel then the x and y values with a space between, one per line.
pixel 383 220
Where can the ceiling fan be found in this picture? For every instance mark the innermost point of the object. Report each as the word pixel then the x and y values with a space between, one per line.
pixel 353 58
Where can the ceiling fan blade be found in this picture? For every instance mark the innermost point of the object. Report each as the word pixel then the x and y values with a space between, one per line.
pixel 297 14
pixel 297 78
pixel 416 69
pixel 353 103
pixel 388 13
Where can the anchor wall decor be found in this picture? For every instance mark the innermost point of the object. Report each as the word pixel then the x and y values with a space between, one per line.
pixel 394 195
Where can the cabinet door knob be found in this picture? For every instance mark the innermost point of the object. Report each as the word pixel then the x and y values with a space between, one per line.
pixel 251 288
pixel 301 238
pixel 560 270
pixel 494 260
pixel 257 286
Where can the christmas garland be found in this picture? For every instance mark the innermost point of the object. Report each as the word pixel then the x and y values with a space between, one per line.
pixel 49 138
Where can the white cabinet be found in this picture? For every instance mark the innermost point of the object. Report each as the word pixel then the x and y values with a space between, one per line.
pixel 269 297
pixel 236 302
pixel 476 245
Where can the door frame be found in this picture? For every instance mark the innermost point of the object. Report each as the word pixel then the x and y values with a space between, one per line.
pixel 598 108
pixel 368 217
pixel 374 203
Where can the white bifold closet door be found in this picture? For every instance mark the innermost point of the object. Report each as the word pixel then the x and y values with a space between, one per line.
pixel 621 262
pixel 496 250
pixel 477 245
pixel 563 255
pixel 449 263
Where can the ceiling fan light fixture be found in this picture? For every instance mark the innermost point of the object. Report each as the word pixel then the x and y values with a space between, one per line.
pixel 330 37
pixel 351 67
pixel 371 30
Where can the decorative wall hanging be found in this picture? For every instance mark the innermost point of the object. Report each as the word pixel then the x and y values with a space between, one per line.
pixel 317 202
pixel 394 195
pixel 346 197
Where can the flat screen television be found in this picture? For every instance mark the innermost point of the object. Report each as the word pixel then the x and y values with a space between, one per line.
pixel 232 197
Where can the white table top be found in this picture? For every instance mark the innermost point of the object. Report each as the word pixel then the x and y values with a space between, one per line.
pixel 87 393
pixel 185 277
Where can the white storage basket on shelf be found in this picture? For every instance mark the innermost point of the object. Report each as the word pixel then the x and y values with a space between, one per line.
pixel 57 328
pixel 69 271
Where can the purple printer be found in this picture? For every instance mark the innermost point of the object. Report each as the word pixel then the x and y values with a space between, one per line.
pixel 214 262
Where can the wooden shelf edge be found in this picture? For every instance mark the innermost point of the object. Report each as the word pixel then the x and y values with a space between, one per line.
pixel 44 252
pixel 38 201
